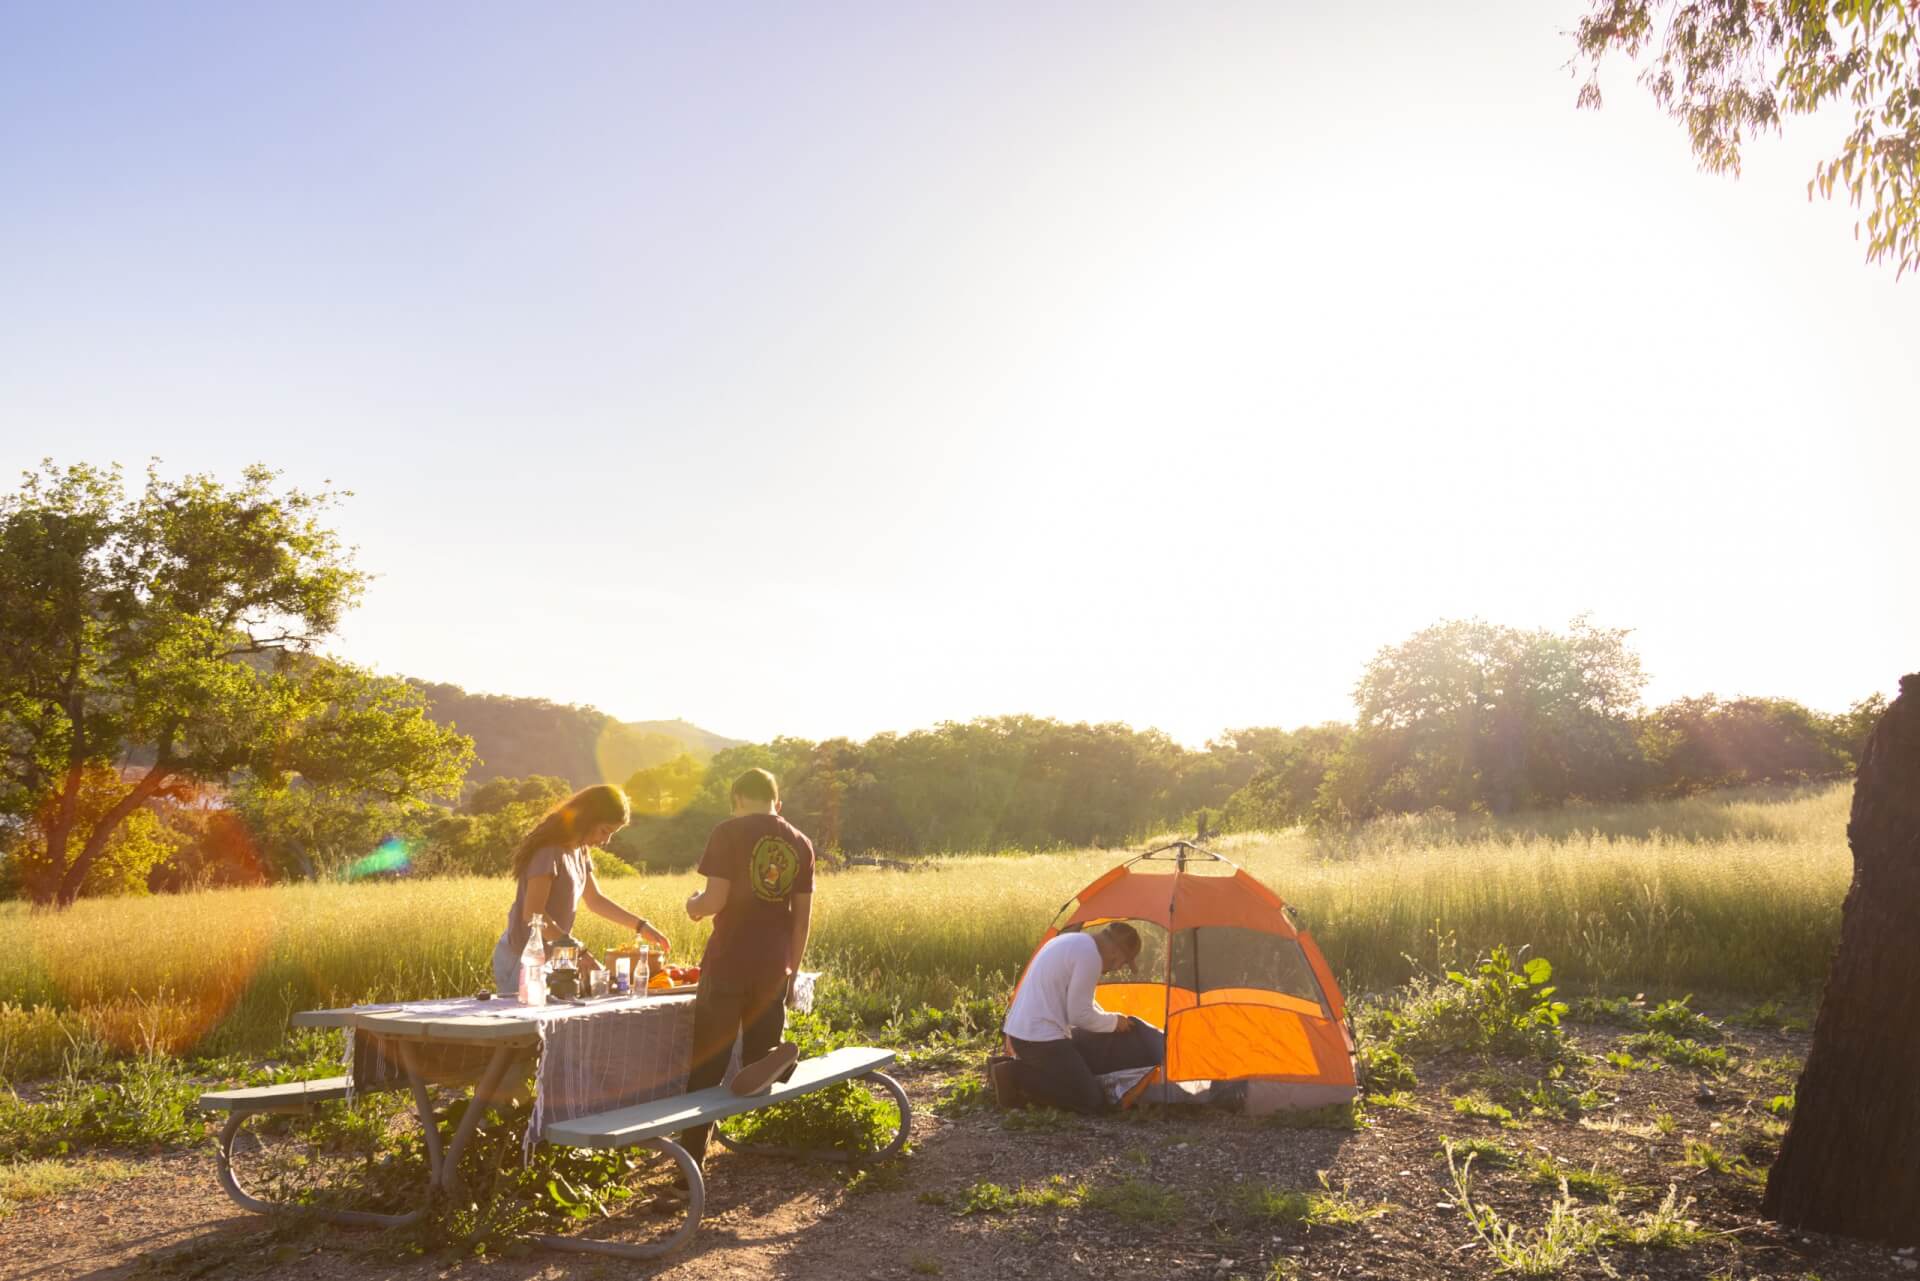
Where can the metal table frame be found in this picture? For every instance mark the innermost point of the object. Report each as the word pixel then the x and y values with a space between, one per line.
pixel 511 1041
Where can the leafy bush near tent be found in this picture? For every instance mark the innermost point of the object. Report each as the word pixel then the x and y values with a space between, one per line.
pixel 1498 1006
pixel 1385 1069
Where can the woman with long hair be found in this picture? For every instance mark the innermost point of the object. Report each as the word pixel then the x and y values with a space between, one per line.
pixel 553 867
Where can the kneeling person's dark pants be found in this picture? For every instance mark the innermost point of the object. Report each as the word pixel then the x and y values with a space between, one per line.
pixel 1062 1073
pixel 755 1012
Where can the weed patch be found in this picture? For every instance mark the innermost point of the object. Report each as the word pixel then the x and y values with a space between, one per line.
pixel 1261 1203
pixel 1702 1155
pixel 1138 1201
pixel 24 1181
pixel 1627 1063
pixel 1679 1052
pixel 1679 1019
pixel 1334 1116
pixel 1482 1108
pixel 1040 1120
pixel 995 1198
pixel 1619 1010
pixel 963 1096
pixel 1488 1152
pixel 1568 1233
pixel 1602 1185
pixel 1402 1100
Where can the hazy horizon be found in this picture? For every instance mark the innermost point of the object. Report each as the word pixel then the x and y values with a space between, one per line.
pixel 827 373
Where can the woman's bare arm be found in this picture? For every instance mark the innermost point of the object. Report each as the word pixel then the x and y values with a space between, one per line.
pixel 539 888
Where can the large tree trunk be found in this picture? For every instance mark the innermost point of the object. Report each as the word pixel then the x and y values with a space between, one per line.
pixel 1848 1164
pixel 142 792
pixel 57 818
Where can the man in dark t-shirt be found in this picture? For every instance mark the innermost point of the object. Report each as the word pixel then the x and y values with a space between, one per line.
pixel 759 891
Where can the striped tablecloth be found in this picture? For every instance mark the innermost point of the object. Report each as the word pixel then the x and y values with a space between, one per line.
pixel 595 1056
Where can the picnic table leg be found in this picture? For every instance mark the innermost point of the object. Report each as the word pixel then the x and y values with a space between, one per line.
pixel 422 1104
pixel 696 1205
pixel 230 1184
pixel 483 1092
pixel 899 1140
pixel 444 1168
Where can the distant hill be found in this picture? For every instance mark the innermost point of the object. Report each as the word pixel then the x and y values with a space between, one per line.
pixel 515 737
pixel 687 732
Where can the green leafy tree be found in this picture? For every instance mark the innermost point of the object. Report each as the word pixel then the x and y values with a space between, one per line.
pixel 173 630
pixel 496 794
pixel 480 839
pixel 1696 743
pixel 1475 716
pixel 1293 767
pixel 1847 731
pixel 1728 69
pixel 663 790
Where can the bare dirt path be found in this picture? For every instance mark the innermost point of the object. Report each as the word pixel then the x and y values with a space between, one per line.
pixel 1163 1195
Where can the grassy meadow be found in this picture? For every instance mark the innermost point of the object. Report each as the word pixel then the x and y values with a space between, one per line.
pixel 1733 893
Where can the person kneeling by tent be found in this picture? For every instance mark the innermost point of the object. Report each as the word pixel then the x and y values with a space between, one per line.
pixel 1061 1039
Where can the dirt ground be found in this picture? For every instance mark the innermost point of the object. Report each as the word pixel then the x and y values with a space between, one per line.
pixel 1180 1209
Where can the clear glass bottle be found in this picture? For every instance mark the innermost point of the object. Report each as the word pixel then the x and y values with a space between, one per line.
pixel 533 962
pixel 642 967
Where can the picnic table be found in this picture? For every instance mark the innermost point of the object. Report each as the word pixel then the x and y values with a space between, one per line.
pixel 607 1072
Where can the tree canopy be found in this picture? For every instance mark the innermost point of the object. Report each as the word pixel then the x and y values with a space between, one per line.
pixel 1727 69
pixel 170 635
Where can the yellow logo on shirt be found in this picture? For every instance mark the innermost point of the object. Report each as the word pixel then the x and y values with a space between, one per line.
pixel 772 867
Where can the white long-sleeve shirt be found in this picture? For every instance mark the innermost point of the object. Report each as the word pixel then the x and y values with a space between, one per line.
pixel 1057 994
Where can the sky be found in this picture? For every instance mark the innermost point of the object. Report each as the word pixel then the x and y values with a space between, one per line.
pixel 830 370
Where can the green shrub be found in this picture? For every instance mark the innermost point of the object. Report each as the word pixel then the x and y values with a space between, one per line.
pixel 843 1117
pixel 611 866
pixel 136 1103
pixel 1499 1005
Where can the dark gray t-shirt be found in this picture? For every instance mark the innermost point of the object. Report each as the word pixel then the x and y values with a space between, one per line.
pixel 569 869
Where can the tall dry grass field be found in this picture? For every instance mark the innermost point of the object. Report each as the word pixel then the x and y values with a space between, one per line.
pixel 1735 893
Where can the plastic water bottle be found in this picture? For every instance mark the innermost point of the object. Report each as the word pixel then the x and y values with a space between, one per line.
pixel 533 961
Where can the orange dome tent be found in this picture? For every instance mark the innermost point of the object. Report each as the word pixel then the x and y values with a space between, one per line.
pixel 1240 990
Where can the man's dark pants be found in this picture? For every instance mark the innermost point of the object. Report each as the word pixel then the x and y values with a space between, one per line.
pixel 753 1010
pixel 1062 1073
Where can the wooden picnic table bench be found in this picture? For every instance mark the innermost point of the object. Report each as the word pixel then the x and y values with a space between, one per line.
pixel 654 1124
pixel 651 1124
